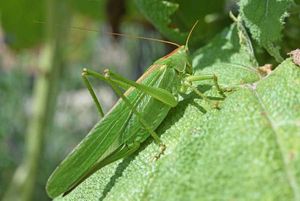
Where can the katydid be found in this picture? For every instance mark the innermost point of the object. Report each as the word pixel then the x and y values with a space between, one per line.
pixel 133 119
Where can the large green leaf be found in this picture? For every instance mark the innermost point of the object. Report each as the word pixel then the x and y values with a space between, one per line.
pixel 265 21
pixel 247 150
pixel 18 20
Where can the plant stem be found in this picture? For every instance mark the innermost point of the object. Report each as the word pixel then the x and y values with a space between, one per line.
pixel 45 94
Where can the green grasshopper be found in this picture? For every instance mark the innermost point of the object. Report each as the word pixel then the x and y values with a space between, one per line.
pixel 136 115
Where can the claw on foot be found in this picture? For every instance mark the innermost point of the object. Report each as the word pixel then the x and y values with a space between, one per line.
pixel 216 105
pixel 162 149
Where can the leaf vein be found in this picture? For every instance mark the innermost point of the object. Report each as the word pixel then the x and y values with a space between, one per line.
pixel 288 170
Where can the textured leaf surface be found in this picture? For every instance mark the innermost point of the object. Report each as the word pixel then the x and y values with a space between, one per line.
pixel 233 63
pixel 265 22
pixel 248 150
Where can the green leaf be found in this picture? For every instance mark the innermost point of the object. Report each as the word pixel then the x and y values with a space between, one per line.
pixel 248 150
pixel 229 57
pixel 265 21
pixel 18 19
pixel 174 18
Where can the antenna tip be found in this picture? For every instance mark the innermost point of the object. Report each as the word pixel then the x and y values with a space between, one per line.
pixel 190 33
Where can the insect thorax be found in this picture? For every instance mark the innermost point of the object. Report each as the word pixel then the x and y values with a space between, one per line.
pixel 178 59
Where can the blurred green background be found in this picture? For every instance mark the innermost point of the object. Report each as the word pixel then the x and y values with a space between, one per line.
pixel 45 110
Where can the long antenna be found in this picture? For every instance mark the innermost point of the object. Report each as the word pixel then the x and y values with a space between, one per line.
pixel 143 38
pixel 120 34
pixel 188 38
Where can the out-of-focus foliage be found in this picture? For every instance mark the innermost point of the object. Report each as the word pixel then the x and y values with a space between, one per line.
pixel 23 21
pixel 291 39
pixel 14 88
pixel 18 19
pixel 92 8
pixel 174 18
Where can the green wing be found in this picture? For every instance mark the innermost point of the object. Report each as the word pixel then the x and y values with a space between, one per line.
pixel 118 127
pixel 101 141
